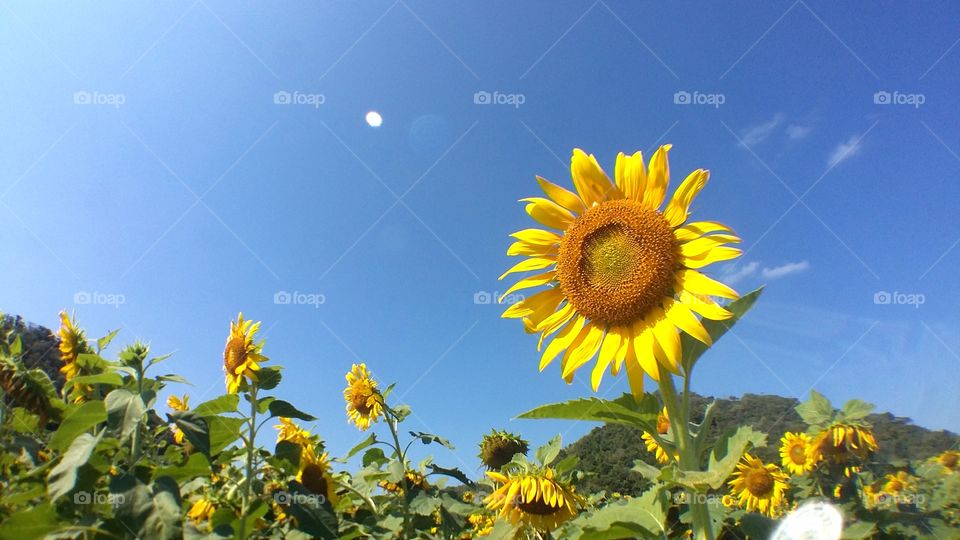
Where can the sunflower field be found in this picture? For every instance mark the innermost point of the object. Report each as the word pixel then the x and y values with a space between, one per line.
pixel 619 271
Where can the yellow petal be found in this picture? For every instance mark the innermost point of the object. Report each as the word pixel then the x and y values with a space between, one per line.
pixel 536 250
pixel 645 346
pixel 533 263
pixel 697 229
pixel 561 196
pixel 679 206
pixel 553 323
pixel 608 350
pixel 669 340
pixel 561 341
pixel 634 373
pixel 537 236
pixel 631 175
pixel 548 212
pixel 580 353
pixel 717 254
pixel 700 246
pixel 658 177
pixel 532 281
pixel 698 284
pixel 547 300
pixel 685 320
pixel 591 182
pixel 704 306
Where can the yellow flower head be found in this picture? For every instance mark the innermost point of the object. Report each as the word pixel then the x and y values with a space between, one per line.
pixel 896 484
pixel 536 499
pixel 844 445
pixel 315 474
pixel 498 447
pixel 178 404
pixel 288 430
pixel 622 269
pixel 73 343
pixel 950 459
pixel 364 402
pixel 795 453
pixel 201 510
pixel 242 355
pixel 759 487
pixel 663 427
pixel 482 524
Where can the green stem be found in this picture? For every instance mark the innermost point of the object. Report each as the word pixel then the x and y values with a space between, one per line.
pixel 392 422
pixel 251 440
pixel 135 440
pixel 689 461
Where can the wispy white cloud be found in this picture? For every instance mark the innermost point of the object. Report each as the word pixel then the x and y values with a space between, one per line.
pixel 761 132
pixel 798 131
pixel 777 272
pixel 734 273
pixel 844 151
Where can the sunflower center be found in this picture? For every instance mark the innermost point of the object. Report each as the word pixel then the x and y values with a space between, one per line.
pixel 950 460
pixel 234 354
pixel 617 262
pixel 359 399
pixel 314 479
pixel 759 482
pixel 663 424
pixel 895 485
pixel 537 507
pixel 798 454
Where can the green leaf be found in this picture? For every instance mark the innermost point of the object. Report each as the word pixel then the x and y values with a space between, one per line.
pixel 855 410
pixel 103 342
pixel 32 523
pixel 374 455
pixel 817 411
pixel 63 477
pixel 194 428
pixel 125 410
pixel 395 472
pixel 313 514
pixel 289 451
pixel 280 408
pixel 858 530
pixel 23 421
pixel 153 510
pixel 549 451
pixel 423 504
pixel 623 410
pixel 427 438
pixel 77 419
pixel 268 378
pixel 16 347
pixel 641 517
pixel 107 379
pixel 223 432
pixel 723 460
pixel 92 362
pixel 174 378
pixel 197 465
pixel 694 349
pixel 372 439
pixel 452 473
pixel 226 403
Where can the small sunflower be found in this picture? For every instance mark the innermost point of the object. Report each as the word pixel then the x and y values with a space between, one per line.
pixel 201 510
pixel 242 355
pixel 535 498
pixel 288 430
pixel 663 427
pixel 950 460
pixel 845 445
pixel 895 485
pixel 315 474
pixel 364 402
pixel 178 404
pixel 73 343
pixel 622 274
pixel 499 447
pixel 759 487
pixel 795 453
pixel 414 479
pixel 482 524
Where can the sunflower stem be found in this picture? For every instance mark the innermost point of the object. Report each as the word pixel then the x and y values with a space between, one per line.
pixel 251 437
pixel 392 421
pixel 689 460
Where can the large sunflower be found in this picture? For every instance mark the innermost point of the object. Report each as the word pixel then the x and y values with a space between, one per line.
pixel 663 427
pixel 73 343
pixel 758 487
pixel 315 474
pixel 535 498
pixel 949 459
pixel 364 402
pixel 795 452
pixel 622 273
pixel 242 355
pixel 844 445
pixel 288 430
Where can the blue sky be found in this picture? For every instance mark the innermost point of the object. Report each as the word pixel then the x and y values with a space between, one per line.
pixel 143 156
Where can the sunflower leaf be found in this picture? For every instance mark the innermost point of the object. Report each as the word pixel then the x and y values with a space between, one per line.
pixel 427 438
pixel 549 451
pixel 624 410
pixel 816 411
pixel 856 409
pixel 281 408
pixel 268 378
pixel 194 428
pixel 63 477
pixel 372 439
pixel 452 473
pixel 694 349
pixel 226 403
pixel 77 419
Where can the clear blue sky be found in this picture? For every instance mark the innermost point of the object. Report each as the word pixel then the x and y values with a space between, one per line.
pixel 100 189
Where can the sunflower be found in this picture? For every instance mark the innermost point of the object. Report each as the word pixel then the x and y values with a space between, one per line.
pixel 414 479
pixel 534 498
pixel 663 427
pixel 895 485
pixel 845 445
pixel 482 525
pixel 499 447
pixel 201 510
pixel 73 343
pixel 364 402
pixel 315 474
pixel 241 355
pixel 795 453
pixel 758 487
pixel 949 460
pixel 622 275
pixel 288 430
pixel 178 404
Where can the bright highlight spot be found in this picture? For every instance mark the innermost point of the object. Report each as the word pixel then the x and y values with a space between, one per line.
pixel 374 119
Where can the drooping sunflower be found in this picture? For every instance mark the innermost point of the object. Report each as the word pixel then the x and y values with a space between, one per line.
pixel 288 430
pixel 73 343
pixel 795 453
pixel 364 402
pixel 482 524
pixel 950 459
pixel 201 510
pixel 414 479
pixel 896 485
pixel 178 404
pixel 315 474
pixel 758 487
pixel 663 427
pixel 844 445
pixel 622 274
pixel 242 355
pixel 498 448
pixel 534 498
